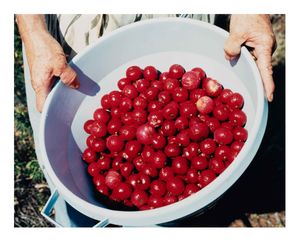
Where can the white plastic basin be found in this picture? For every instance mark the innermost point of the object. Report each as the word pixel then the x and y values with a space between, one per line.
pixel 161 43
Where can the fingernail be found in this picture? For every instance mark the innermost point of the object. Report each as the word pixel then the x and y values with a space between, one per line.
pixel 74 85
pixel 270 97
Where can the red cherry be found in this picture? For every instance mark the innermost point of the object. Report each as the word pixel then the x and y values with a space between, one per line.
pixel 115 112
pixel 98 145
pixel 191 175
pixel 206 177
pixel 116 163
pixel 138 163
pixel 224 95
pixel 147 153
pixel 140 103
pixel 150 170
pixel 236 146
pixel 98 129
pixel 150 73
pixel 180 94
pixel 222 152
pixel 123 82
pixel 155 201
pixel 170 84
pixel 181 123
pixel 154 106
pixel 121 192
pixel 200 72
pixel 235 100
pixel 115 98
pixel 93 169
pixel 159 141
pixel 105 101
pixel 145 133
pixel 212 123
pixel 180 165
pixel 151 93
pixel 99 180
pixel 89 155
pixel 89 140
pixel 102 115
pixel 240 134
pixel 169 199
pixel 164 76
pixel 158 187
pixel 164 97
pixel 188 109
pixel 134 73
pixel 199 163
pixel 166 173
pixel 216 165
pixel 155 119
pixel 127 132
pixel 168 128
pixel 104 163
pixel 132 148
pixel 139 198
pixel 191 151
pixel 221 112
pixel 126 168
pixel 196 94
pixel 88 126
pixel 190 189
pixel 142 85
pixel 125 104
pixel 172 150
pixel 158 84
pixel 198 131
pixel 114 143
pixel 208 146
pixel 176 71
pixel 130 91
pixel 223 136
pixel 171 111
pixel 175 186
pixel 183 137
pixel 237 118
pixel 114 125
pixel 103 189
pixel 139 116
pixel 158 159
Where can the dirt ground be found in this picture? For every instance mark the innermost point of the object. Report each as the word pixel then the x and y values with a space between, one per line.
pixel 256 200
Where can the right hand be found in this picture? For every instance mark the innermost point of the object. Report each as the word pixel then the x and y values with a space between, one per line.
pixel 46 60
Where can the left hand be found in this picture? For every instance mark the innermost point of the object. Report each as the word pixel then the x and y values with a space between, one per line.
pixel 254 31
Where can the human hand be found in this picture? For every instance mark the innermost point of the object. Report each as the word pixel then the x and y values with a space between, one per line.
pixel 46 61
pixel 254 31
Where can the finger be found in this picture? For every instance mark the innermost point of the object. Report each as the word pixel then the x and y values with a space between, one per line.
pixel 69 77
pixel 264 64
pixel 233 45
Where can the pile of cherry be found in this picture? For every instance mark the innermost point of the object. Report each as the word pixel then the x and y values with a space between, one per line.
pixel 162 136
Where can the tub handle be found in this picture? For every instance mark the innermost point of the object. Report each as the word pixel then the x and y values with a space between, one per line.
pixel 46 212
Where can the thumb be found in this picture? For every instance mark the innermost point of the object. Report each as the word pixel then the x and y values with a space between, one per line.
pixel 232 46
pixel 69 77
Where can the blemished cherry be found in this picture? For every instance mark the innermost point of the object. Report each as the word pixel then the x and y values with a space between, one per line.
pixel 145 133
pixel 200 72
pixel 205 105
pixel 212 87
pixel 113 179
pixel 190 80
